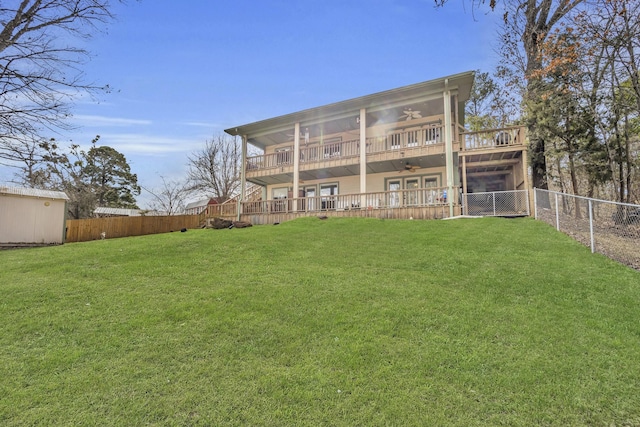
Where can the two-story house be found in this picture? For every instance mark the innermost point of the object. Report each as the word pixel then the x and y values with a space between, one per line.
pixel 401 153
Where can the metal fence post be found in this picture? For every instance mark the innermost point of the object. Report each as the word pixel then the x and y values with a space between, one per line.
pixel 618 228
pixel 593 241
pixel 557 214
pixel 535 203
pixel 494 203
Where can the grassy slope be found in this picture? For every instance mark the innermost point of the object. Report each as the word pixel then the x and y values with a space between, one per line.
pixel 337 322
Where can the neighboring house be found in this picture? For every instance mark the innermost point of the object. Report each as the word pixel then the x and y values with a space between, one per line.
pixel 195 208
pixel 401 153
pixel 30 217
pixel 106 212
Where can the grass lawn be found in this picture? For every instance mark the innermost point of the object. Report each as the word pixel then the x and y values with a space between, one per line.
pixel 340 322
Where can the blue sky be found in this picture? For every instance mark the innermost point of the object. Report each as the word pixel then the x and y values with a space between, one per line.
pixel 184 71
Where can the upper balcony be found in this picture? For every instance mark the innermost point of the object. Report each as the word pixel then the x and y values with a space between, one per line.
pixel 492 140
pixel 401 126
pixel 402 144
pixel 426 142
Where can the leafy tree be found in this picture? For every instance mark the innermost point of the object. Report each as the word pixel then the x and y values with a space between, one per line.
pixel 100 176
pixel 489 105
pixel 110 178
pixel 561 121
pixel 40 67
pixel 610 64
pixel 215 169
pixel 526 26
pixel 479 109
pixel 576 65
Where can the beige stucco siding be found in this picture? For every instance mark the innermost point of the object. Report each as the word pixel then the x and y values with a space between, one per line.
pixel 375 183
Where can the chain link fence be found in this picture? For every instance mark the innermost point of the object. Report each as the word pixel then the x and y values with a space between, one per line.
pixel 609 228
pixel 497 203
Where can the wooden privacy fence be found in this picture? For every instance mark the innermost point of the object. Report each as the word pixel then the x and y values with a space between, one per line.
pixel 83 230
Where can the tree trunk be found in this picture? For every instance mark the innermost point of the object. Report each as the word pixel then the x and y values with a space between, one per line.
pixel 574 180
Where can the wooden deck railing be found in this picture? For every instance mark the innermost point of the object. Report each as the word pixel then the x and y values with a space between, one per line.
pixel 493 138
pixel 344 202
pixel 321 152
pixel 424 136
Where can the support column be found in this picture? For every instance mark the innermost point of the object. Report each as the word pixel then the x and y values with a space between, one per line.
pixel 296 164
pixel 525 172
pixel 464 182
pixel 363 158
pixel 448 141
pixel 243 176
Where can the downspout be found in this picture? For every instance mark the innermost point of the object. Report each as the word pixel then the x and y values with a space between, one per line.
pixel 448 139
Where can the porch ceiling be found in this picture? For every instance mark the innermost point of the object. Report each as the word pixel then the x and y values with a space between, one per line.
pixel 493 156
pixel 406 166
pixel 383 107
pixel 489 170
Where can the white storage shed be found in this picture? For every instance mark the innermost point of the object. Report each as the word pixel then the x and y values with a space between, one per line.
pixel 32 217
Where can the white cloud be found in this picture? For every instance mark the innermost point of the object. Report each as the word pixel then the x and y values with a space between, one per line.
pixel 201 124
pixel 87 120
pixel 152 145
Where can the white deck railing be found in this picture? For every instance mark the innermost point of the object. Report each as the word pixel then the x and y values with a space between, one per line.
pixel 493 138
pixel 316 152
pixel 385 199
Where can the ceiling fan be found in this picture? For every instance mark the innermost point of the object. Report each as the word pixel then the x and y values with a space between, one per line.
pixel 410 168
pixel 303 135
pixel 410 114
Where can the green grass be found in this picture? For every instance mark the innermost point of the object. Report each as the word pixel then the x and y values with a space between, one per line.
pixel 337 322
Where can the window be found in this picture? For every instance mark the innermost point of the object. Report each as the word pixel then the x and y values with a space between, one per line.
pixel 430 182
pixel 280 205
pixel 280 193
pixel 393 195
pixel 412 195
pixel 310 194
pixel 327 195
pixel 431 196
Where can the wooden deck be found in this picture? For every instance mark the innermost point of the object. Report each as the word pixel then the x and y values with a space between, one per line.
pixel 431 203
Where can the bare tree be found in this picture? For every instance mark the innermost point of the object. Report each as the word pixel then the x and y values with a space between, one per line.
pixel 27 159
pixel 527 23
pixel 215 170
pixel 39 66
pixel 170 197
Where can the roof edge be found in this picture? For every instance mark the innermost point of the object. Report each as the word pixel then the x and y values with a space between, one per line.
pixel 33 192
pixel 451 81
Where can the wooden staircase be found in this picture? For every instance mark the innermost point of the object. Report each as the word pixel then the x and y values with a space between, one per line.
pixel 229 208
